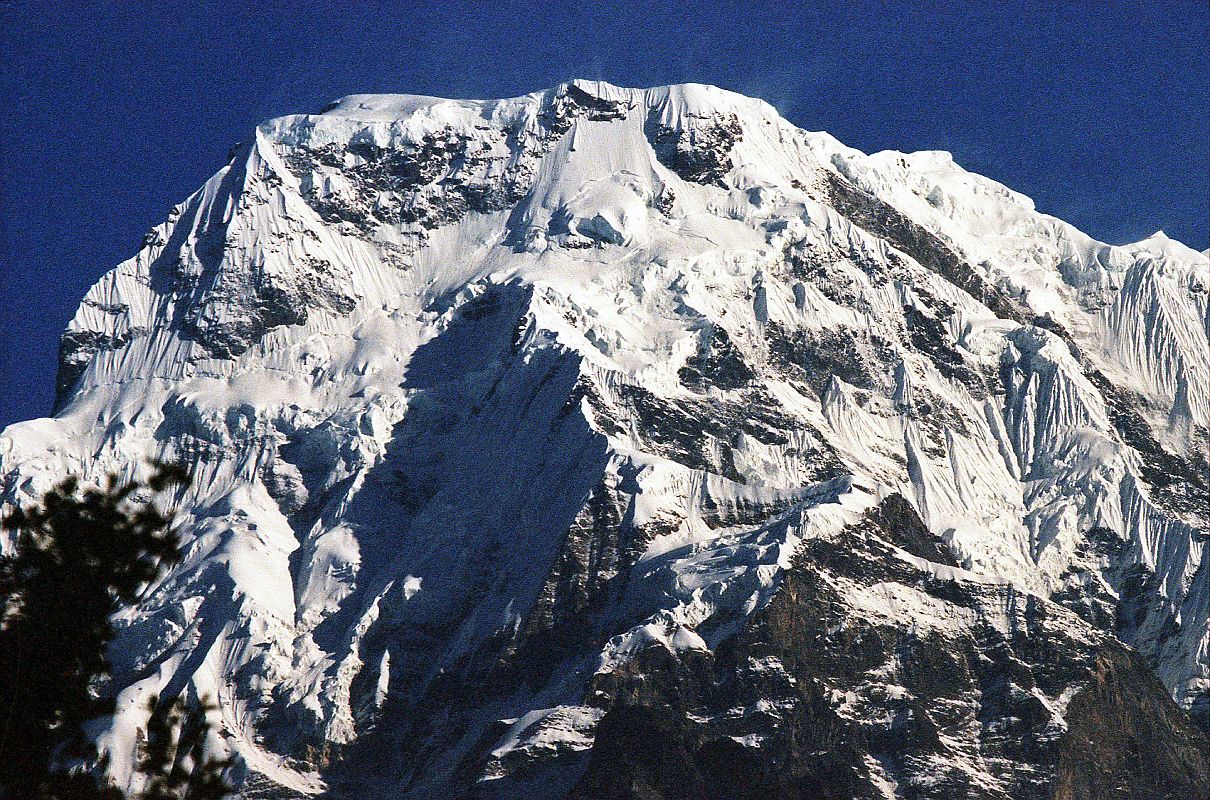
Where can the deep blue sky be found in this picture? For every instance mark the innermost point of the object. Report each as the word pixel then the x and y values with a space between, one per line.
pixel 111 113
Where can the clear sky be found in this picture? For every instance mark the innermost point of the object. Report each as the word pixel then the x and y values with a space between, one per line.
pixel 113 112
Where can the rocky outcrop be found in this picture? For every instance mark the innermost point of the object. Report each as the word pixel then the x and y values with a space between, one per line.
pixel 1126 739
pixel 818 698
pixel 699 152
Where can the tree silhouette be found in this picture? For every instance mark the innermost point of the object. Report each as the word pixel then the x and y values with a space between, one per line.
pixel 174 758
pixel 79 556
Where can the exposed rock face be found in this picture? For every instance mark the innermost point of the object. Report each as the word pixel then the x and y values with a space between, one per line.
pixel 1125 739
pixel 699 151
pixel 634 443
pixel 851 706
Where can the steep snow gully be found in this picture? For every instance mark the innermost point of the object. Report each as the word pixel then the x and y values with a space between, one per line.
pixel 615 442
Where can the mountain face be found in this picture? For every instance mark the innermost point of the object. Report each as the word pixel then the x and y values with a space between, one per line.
pixel 635 443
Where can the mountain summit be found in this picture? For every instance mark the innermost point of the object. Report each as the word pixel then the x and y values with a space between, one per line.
pixel 610 442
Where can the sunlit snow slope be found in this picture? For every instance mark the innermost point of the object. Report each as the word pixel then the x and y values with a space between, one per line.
pixel 502 413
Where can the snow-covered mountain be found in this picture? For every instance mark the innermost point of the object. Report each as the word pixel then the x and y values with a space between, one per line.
pixel 603 440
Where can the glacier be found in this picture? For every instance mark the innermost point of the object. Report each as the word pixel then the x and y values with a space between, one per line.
pixel 510 417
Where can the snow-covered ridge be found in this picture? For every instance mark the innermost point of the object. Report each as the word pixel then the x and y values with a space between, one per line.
pixel 457 379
